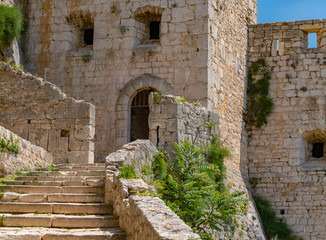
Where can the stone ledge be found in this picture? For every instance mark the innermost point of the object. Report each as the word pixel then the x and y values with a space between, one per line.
pixel 142 217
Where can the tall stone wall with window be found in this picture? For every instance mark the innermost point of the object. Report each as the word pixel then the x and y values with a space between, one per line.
pixel 40 112
pixel 286 156
pixel 122 51
pixel 200 53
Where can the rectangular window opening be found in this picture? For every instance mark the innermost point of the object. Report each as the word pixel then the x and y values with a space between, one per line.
pixel 312 40
pixel 318 150
pixel 154 30
pixel 89 36
pixel 277 45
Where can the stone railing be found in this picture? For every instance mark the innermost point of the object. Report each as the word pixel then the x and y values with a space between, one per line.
pixel 142 217
pixel 40 112
pixel 28 157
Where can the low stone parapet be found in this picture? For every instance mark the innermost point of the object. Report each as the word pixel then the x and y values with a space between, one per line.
pixel 142 217
pixel 29 155
pixel 41 113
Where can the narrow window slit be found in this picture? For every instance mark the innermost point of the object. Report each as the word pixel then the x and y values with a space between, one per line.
pixel 318 150
pixel 154 30
pixel 89 36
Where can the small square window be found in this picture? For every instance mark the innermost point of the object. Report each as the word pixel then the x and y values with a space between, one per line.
pixel 318 150
pixel 89 36
pixel 154 30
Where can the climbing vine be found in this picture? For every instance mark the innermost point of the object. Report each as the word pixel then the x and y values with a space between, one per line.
pixel 259 104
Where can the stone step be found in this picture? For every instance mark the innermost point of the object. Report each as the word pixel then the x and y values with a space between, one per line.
pixel 64 173
pixel 79 168
pixel 59 221
pixel 30 233
pixel 52 189
pixel 59 208
pixel 80 165
pixel 98 183
pixel 59 178
pixel 55 197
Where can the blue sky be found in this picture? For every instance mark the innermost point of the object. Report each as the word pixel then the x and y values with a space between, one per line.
pixel 290 10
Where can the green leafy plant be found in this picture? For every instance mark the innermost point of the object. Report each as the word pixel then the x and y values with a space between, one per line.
pixel 9 145
pixel 87 56
pixel 11 25
pixel 253 182
pixel 127 171
pixel 157 97
pixel 304 89
pixel 274 228
pixel 123 29
pixel 191 184
pixel 180 100
pixel 7 178
pixel 2 218
pixel 53 168
pixel 148 193
pixel 259 105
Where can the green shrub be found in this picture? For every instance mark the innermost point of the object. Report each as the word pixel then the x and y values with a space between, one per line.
pixel 9 145
pixel 274 228
pixel 11 24
pixel 190 183
pixel 127 171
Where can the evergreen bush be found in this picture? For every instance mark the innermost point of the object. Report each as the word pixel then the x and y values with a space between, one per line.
pixel 190 181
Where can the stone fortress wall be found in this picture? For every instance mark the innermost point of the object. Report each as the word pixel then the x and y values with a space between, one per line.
pixel 280 153
pixel 201 55
pixel 40 112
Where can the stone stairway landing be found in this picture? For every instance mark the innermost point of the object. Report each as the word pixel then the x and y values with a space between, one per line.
pixel 65 203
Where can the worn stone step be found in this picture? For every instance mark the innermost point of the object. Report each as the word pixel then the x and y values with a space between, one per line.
pixel 78 168
pixel 26 208
pixel 64 173
pixel 58 178
pixel 60 208
pixel 75 198
pixel 85 208
pixel 30 233
pixel 80 165
pixel 59 221
pixel 52 189
pixel 55 197
pixel 34 183
pixel 99 182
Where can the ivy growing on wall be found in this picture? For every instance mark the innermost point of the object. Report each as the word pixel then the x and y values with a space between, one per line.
pixel 11 25
pixel 259 104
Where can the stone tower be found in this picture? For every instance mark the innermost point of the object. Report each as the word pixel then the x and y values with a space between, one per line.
pixel 113 53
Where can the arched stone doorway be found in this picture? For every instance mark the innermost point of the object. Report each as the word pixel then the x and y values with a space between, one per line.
pixel 126 96
pixel 139 112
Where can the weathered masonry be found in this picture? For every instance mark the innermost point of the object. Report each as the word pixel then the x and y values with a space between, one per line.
pixel 287 156
pixel 107 52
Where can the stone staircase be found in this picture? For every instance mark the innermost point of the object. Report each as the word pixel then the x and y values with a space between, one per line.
pixel 65 203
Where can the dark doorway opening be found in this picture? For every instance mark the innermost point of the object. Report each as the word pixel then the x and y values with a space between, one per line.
pixel 139 128
pixel 89 36
pixel 154 30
